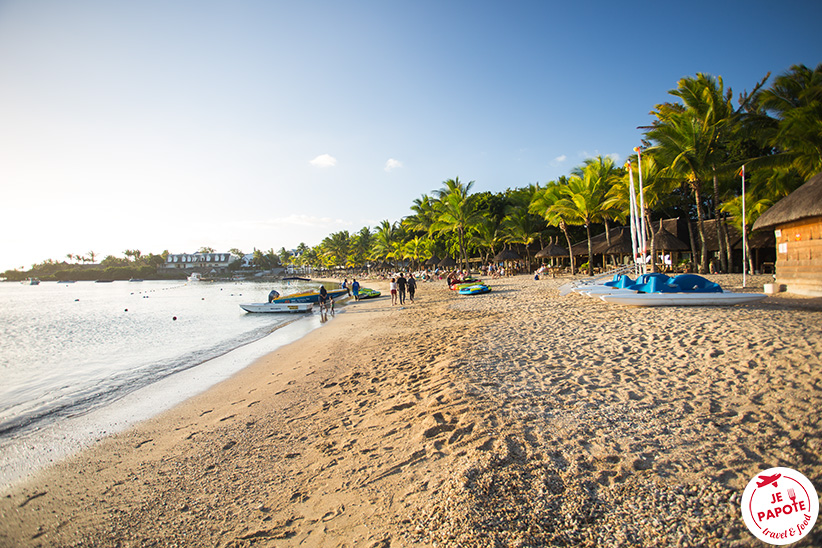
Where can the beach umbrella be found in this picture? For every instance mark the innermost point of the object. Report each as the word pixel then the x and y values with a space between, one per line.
pixel 551 250
pixel 665 241
pixel 621 245
pixel 433 261
pixel 448 261
pixel 507 255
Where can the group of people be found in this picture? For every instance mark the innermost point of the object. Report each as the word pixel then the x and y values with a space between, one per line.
pixel 354 289
pixel 399 285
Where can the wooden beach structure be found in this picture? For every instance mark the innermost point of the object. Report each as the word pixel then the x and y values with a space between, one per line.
pixel 796 221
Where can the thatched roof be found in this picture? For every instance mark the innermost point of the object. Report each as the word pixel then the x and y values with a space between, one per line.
pixel 804 202
pixel 507 255
pixel 665 241
pixel 448 261
pixel 621 245
pixel 432 261
pixel 551 250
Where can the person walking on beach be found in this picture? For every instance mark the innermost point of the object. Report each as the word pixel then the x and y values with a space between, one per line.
pixel 355 289
pixel 401 286
pixel 393 286
pixel 412 287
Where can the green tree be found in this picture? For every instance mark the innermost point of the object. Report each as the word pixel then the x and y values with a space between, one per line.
pixel 795 101
pixel 457 212
pixel 580 203
pixel 543 204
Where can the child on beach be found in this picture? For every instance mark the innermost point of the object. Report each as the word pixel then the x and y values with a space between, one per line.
pixel 393 286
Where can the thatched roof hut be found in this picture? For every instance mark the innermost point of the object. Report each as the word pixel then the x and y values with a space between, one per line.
pixel 551 250
pixel 665 241
pixel 802 203
pixel 433 261
pixel 507 255
pixel 447 262
pixel 797 224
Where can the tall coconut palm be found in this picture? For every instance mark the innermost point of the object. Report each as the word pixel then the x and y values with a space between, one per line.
pixel 519 228
pixel 384 240
pixel 456 212
pixel 485 236
pixel 753 209
pixel 684 144
pixel 543 204
pixel 423 217
pixel 361 244
pixel 605 169
pixel 336 248
pixel 580 203
pixel 795 99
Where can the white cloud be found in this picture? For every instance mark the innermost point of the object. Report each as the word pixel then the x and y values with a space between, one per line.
pixel 392 164
pixel 560 159
pixel 615 157
pixel 323 161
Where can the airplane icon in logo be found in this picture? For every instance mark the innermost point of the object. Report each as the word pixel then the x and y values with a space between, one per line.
pixel 767 480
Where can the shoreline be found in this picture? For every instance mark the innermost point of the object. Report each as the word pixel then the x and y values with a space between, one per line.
pixel 517 417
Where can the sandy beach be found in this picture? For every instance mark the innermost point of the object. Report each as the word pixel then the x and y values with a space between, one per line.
pixel 515 418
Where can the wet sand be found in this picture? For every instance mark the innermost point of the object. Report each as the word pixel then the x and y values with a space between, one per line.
pixel 516 418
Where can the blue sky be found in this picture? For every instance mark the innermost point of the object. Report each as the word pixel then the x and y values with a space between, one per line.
pixel 173 125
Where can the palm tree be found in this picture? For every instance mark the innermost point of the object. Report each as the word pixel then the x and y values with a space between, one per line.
pixel 456 212
pixel 486 235
pixel 753 209
pixel 580 203
pixel 543 204
pixel 384 239
pixel 336 248
pixel 684 144
pixel 610 174
pixel 519 228
pixel 424 215
pixel 795 99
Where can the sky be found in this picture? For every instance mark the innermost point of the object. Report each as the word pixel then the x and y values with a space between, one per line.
pixel 175 125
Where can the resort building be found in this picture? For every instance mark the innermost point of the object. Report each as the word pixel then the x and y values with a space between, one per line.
pixel 796 221
pixel 213 263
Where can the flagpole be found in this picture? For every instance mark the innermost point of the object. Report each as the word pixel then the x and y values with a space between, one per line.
pixel 744 231
pixel 638 151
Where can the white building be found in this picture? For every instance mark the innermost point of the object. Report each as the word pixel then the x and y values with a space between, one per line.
pixel 201 262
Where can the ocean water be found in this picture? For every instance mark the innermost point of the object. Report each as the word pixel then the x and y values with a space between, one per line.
pixel 80 360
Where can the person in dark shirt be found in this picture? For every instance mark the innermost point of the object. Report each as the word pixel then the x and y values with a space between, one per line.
pixel 412 287
pixel 401 284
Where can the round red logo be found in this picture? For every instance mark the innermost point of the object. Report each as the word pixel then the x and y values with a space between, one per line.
pixel 780 506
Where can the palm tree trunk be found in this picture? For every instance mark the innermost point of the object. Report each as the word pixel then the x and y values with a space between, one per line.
pixel 728 246
pixel 723 250
pixel 700 226
pixel 564 228
pixel 590 250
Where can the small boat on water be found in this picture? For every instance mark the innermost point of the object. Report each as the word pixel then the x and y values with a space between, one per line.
pixel 312 296
pixel 277 307
pixel 297 278
pixel 31 281
pixel 195 277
